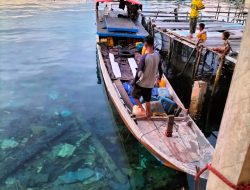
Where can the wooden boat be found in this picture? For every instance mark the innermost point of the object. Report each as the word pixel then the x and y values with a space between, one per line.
pixel 188 149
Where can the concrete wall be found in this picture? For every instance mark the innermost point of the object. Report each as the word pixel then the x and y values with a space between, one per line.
pixel 232 152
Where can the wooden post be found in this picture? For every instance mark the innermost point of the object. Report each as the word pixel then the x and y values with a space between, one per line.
pixel 235 15
pixel 197 98
pixel 218 74
pixel 176 15
pixel 228 14
pixel 153 31
pixel 217 11
pixel 197 61
pixel 169 53
pixel 143 21
pixel 232 152
pixel 149 25
pixel 170 126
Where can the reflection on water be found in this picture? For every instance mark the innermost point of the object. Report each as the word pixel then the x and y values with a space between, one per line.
pixel 57 129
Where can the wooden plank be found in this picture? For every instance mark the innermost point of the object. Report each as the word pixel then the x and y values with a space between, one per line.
pixel 210 26
pixel 182 137
pixel 167 146
pixel 115 66
pixel 153 118
pixel 133 65
pixel 174 147
pixel 144 127
pixel 101 151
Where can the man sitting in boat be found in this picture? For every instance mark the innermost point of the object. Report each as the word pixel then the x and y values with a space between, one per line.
pixel 146 76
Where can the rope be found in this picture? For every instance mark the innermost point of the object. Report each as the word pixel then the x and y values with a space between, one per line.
pixel 220 176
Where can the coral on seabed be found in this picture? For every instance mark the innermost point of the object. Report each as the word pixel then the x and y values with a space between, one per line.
pixel 66 150
pixel 75 176
pixel 9 143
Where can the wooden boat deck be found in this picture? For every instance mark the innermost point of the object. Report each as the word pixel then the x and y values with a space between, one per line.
pixel 185 149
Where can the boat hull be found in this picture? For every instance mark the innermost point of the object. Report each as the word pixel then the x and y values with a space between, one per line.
pixel 170 160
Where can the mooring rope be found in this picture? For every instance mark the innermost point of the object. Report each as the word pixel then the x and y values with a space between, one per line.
pixel 220 176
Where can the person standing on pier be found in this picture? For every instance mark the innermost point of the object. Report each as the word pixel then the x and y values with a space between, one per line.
pixel 196 5
pixel 202 34
pixel 146 76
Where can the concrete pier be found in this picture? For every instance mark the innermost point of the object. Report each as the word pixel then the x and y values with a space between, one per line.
pixel 232 152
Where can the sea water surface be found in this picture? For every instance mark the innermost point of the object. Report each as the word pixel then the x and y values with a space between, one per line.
pixel 58 130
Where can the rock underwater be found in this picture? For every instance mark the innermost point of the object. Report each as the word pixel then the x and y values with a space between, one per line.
pixel 66 150
pixel 75 176
pixel 9 143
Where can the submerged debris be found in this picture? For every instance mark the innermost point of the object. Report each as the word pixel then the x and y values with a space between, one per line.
pixel 91 149
pixel 75 176
pixel 65 113
pixel 9 143
pixel 24 141
pixel 53 95
pixel 66 150
pixel 94 178
pixel 37 130
pixel 30 151
pixel 39 169
pixel 90 159
pixel 143 161
pixel 83 138
pixel 49 163
pixel 10 181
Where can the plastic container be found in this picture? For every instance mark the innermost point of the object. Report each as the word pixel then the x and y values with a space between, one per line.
pixel 163 92
pixel 110 41
pixel 162 83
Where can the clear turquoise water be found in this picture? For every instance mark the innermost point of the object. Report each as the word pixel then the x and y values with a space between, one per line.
pixel 57 127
